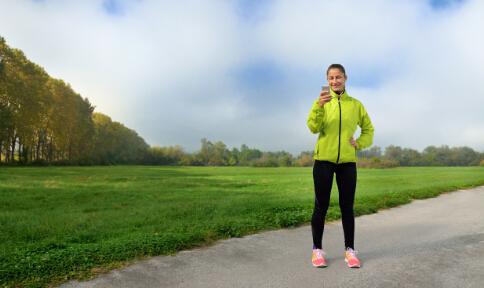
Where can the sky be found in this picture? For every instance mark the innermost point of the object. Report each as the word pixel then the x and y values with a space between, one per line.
pixel 248 71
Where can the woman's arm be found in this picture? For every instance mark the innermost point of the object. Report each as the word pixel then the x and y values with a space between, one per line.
pixel 315 118
pixel 366 137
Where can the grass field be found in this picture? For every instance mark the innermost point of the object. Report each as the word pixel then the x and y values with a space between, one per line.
pixel 59 223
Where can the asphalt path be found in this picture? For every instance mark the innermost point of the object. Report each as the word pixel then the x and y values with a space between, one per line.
pixel 436 242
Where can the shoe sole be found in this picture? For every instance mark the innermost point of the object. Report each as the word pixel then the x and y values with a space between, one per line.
pixel 354 266
pixel 320 266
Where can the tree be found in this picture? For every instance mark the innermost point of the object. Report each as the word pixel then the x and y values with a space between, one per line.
pixel 44 120
pixel 116 144
pixel 374 151
pixel 305 159
pixel 213 154
pixel 463 156
pixel 410 157
pixel 171 155
pixel 393 153
pixel 247 155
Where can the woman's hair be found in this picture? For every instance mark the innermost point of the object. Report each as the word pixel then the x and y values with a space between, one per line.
pixel 336 66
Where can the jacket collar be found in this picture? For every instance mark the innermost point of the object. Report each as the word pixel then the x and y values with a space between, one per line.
pixel 336 95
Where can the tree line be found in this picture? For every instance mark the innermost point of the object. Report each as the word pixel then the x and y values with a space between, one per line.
pixel 430 156
pixel 44 121
pixel 218 154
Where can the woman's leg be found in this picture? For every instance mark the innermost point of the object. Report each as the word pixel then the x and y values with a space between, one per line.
pixel 323 180
pixel 346 180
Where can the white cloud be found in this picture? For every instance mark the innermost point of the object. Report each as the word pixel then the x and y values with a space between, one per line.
pixel 168 69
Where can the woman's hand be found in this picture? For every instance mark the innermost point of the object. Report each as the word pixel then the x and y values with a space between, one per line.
pixel 324 97
pixel 353 143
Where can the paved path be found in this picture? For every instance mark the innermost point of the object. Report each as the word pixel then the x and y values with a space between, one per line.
pixel 436 242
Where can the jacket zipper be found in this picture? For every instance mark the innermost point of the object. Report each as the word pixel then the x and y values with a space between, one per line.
pixel 339 134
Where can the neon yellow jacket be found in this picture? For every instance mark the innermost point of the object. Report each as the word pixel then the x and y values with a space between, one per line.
pixel 336 123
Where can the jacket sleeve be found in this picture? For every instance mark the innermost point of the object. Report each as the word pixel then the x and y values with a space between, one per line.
pixel 366 137
pixel 315 118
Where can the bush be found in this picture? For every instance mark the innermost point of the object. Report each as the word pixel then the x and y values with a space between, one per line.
pixel 265 161
pixel 305 159
pixel 170 155
pixel 375 162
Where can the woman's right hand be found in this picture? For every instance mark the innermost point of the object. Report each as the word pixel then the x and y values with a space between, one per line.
pixel 324 97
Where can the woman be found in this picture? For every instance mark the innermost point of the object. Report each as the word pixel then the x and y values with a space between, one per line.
pixel 335 116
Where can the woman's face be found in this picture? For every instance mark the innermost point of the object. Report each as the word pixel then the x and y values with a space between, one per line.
pixel 336 80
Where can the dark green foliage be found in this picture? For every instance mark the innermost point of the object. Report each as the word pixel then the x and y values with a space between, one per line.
pixel 165 156
pixel 430 156
pixel 376 162
pixel 217 154
pixel 113 143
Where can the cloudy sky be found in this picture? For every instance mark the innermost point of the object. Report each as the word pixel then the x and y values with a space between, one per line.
pixel 247 71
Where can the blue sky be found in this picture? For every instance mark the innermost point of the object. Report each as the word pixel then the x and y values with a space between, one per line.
pixel 247 72
pixel 113 7
pixel 445 4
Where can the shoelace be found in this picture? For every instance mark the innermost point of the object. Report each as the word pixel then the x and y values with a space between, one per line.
pixel 319 253
pixel 352 252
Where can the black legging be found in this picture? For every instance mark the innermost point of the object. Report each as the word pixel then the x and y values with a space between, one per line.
pixel 323 172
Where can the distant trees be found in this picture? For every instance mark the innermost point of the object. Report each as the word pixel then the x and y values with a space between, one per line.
pixel 430 156
pixel 212 154
pixel 67 129
pixel 374 151
pixel 43 120
pixel 170 155
pixel 218 154
pixel 305 159
pixel 113 143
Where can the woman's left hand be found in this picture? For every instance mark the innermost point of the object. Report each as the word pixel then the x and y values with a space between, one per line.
pixel 353 143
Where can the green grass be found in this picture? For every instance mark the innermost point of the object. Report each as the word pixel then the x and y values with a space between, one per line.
pixel 59 223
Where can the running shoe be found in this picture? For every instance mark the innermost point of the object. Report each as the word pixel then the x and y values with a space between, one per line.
pixel 351 259
pixel 318 258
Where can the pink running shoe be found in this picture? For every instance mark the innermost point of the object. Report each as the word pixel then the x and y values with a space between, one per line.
pixel 318 258
pixel 351 259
